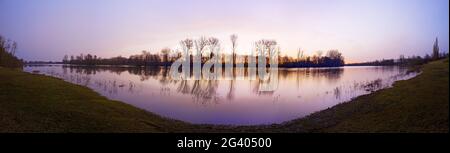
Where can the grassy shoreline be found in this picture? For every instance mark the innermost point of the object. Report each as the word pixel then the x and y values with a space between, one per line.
pixel 416 105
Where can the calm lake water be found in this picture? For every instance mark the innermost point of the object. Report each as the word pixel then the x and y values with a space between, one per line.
pixel 298 92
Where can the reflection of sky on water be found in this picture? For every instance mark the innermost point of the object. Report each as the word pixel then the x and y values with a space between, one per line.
pixel 299 91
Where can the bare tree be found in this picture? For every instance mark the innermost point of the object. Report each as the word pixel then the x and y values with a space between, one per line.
pixel 268 47
pixel 200 45
pixel 165 53
pixel 2 42
pixel 300 54
pixel 8 46
pixel 7 53
pixel 13 48
pixel 65 59
pixel 334 54
pixel 319 53
pixel 187 44
pixel 213 45
pixel 436 49
pixel 233 39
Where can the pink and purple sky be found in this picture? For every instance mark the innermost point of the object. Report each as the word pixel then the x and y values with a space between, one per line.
pixel 363 30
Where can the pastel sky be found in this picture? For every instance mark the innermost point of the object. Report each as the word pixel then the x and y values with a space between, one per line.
pixel 362 30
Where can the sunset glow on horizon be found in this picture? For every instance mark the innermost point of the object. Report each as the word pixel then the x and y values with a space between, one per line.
pixel 361 30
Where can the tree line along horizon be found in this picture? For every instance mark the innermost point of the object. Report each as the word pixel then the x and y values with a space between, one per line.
pixel 204 46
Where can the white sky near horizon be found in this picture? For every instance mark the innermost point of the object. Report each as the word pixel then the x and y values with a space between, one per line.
pixel 363 30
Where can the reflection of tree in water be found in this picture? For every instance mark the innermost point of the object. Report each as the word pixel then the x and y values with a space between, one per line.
pixel 112 87
pixel 81 75
pixel 164 77
pixel 332 75
pixel 144 72
pixel 205 92
pixel 384 68
pixel 337 92
pixel 257 88
pixel 202 91
pixel 329 74
pixel 164 91
pixel 184 87
pixel 230 94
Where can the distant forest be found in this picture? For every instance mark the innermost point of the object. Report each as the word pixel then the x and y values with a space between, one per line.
pixel 333 58
pixel 206 47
